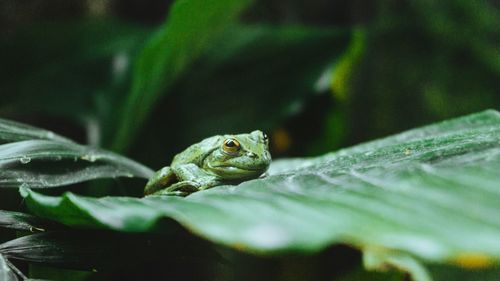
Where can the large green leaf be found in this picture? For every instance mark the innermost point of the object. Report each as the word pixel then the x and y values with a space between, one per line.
pixel 39 158
pixel 431 194
pixel 168 53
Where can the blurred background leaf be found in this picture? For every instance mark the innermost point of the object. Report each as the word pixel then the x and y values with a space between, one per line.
pixel 422 63
pixel 236 86
pixel 408 69
pixel 190 27
pixel 65 76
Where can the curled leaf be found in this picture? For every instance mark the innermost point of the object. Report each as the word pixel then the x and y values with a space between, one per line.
pixel 45 163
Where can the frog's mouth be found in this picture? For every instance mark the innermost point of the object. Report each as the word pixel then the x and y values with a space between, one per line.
pixel 233 172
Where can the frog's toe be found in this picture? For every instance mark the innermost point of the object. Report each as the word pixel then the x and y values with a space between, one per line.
pixel 160 180
pixel 162 193
pixel 184 186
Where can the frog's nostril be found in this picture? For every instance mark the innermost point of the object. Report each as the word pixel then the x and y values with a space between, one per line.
pixel 251 154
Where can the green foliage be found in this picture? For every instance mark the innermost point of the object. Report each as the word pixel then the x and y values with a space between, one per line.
pixel 111 81
pixel 44 72
pixel 239 77
pixel 419 196
pixel 424 61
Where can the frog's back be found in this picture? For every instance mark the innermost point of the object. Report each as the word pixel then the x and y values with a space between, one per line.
pixel 197 152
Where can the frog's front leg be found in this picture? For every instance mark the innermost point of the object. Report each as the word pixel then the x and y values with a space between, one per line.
pixel 160 180
pixel 182 188
pixel 196 176
pixel 190 179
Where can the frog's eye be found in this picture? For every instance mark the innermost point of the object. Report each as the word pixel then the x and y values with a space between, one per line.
pixel 265 138
pixel 231 146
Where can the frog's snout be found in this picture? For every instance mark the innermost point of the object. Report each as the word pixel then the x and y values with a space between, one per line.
pixel 265 158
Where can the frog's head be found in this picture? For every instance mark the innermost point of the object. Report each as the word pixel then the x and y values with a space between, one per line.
pixel 242 156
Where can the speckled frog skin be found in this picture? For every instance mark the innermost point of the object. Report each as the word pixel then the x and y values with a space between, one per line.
pixel 222 159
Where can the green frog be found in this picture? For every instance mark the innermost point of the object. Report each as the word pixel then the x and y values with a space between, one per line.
pixel 221 159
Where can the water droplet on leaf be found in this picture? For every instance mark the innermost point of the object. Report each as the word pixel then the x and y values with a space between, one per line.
pixel 25 159
pixel 89 157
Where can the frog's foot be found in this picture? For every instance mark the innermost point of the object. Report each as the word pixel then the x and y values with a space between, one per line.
pixel 264 175
pixel 162 178
pixel 168 193
pixel 182 188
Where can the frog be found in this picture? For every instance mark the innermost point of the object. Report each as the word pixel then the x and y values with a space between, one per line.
pixel 217 160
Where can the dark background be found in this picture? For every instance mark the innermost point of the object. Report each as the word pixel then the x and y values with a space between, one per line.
pixel 400 65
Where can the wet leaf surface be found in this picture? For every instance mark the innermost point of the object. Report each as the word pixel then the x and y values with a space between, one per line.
pixel 38 158
pixel 431 193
